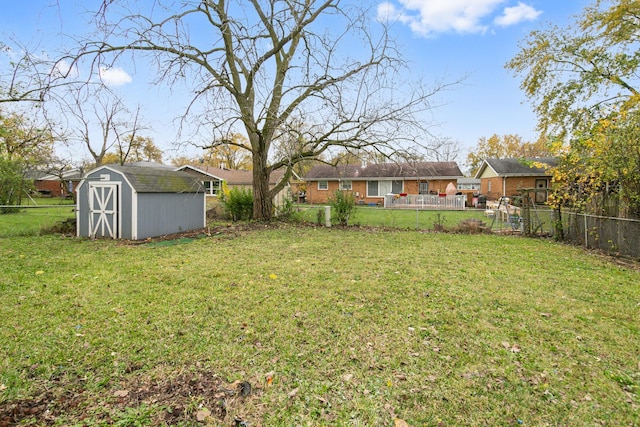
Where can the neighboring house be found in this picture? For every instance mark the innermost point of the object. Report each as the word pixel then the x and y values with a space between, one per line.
pixel 138 202
pixel 63 185
pixel 506 177
pixel 212 178
pixel 468 184
pixel 470 187
pixel 370 183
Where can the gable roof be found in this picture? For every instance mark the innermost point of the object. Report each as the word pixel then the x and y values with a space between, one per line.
pixel 146 179
pixel 517 166
pixel 415 170
pixel 467 180
pixel 74 174
pixel 231 176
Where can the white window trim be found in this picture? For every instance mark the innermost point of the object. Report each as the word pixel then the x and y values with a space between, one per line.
pixel 344 187
pixel 210 191
pixel 326 185
pixel 379 181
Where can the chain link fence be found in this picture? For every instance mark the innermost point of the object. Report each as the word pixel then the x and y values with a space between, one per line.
pixel 613 235
pixel 466 220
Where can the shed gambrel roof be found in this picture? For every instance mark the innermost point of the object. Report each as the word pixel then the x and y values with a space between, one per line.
pixel 145 179
pixel 416 170
pixel 517 166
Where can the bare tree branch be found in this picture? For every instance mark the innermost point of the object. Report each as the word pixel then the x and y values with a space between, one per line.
pixel 264 65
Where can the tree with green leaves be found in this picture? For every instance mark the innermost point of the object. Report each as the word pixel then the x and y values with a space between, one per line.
pixel 599 171
pixel 25 145
pixel 575 75
pixel 13 184
pixel 505 146
pixel 584 83
pixel 232 152
pixel 21 138
pixel 263 63
pixel 135 148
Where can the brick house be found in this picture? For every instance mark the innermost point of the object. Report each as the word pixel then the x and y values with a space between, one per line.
pixel 62 184
pixel 212 179
pixel 370 183
pixel 506 177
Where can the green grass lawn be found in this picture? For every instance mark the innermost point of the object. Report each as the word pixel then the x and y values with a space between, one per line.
pixel 314 326
pixel 421 219
pixel 33 221
pixel 400 218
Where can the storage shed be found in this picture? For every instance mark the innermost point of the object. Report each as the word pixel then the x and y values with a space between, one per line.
pixel 137 202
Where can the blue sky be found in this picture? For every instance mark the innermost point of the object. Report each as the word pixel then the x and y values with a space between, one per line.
pixel 443 40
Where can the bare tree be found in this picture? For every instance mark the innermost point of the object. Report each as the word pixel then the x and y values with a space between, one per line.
pixel 98 119
pixel 443 149
pixel 256 64
pixel 27 77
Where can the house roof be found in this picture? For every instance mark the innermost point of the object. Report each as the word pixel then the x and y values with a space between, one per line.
pixel 517 166
pixel 71 174
pixel 467 180
pixel 151 165
pixel 147 179
pixel 232 177
pixel 417 170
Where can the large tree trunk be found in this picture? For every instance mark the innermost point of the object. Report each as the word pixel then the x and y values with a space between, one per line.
pixel 262 200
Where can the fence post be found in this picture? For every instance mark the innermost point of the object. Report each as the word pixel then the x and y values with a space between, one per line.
pixel 586 232
pixel 327 216
pixel 526 215
pixel 558 228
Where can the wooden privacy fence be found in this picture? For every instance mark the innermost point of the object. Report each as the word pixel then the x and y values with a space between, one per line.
pixel 610 234
pixel 425 201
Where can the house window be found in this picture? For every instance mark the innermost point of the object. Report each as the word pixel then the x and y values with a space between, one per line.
pixel 212 187
pixel 372 188
pixel 380 188
pixel 345 185
pixel 424 188
pixel 541 191
pixel 489 187
pixel 323 185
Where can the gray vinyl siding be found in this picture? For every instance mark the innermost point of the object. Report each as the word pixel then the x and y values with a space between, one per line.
pixel 161 214
pixel 166 202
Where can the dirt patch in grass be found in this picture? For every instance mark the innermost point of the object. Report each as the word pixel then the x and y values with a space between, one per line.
pixel 186 397
pixel 230 230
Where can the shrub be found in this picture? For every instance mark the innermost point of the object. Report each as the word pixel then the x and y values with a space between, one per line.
pixel 343 206
pixel 237 202
pixel 320 217
pixel 13 185
pixel 288 211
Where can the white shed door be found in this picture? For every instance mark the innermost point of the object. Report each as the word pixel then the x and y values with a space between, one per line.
pixel 103 210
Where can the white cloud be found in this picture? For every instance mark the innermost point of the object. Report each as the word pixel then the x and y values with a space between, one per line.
pixel 65 69
pixel 515 15
pixel 114 76
pixel 428 17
